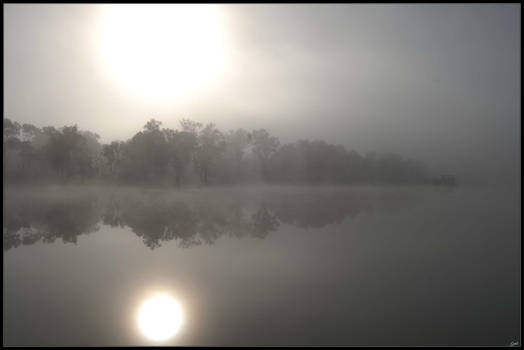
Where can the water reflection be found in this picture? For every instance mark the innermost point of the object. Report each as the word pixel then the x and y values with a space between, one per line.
pixel 190 219
pixel 398 256
pixel 160 317
pixel 28 220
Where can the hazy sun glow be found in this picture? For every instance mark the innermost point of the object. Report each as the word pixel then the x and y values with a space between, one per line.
pixel 160 317
pixel 161 51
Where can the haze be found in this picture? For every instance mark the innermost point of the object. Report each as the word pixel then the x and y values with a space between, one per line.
pixel 245 175
pixel 440 83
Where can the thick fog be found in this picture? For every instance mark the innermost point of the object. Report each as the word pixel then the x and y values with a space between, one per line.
pixel 439 83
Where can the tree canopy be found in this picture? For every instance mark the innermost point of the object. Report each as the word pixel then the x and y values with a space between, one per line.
pixel 195 153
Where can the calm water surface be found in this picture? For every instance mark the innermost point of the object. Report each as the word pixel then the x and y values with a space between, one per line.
pixel 263 265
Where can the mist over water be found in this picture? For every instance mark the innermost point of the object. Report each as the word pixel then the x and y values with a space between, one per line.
pixel 264 265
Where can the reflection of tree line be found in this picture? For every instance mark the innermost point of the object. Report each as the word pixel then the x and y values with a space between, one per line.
pixel 192 222
pixel 160 221
pixel 27 221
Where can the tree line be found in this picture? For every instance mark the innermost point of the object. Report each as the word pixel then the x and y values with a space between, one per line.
pixel 193 154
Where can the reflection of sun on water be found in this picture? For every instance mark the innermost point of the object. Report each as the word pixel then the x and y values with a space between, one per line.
pixel 160 317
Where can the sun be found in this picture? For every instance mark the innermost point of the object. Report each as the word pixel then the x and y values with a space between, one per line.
pixel 160 317
pixel 162 51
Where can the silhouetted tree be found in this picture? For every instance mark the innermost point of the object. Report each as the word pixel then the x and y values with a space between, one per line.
pixel 264 146
pixel 145 157
pixel 11 129
pixel 181 147
pixel 236 143
pixel 211 144
pixel 190 126
pixel 71 153
pixel 113 154
pixel 30 132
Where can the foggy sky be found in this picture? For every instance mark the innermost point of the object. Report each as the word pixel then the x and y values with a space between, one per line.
pixel 437 82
